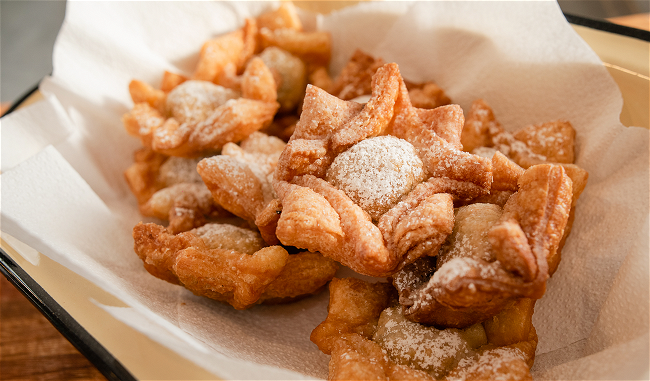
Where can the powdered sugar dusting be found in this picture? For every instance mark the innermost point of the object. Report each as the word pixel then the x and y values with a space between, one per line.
pixel 511 147
pixel 193 101
pixel 421 347
pixel 469 237
pixel 230 237
pixel 486 152
pixel 494 362
pixel 377 172
pixel 455 268
pixel 177 170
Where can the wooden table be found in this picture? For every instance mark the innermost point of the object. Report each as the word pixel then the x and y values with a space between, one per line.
pixel 31 348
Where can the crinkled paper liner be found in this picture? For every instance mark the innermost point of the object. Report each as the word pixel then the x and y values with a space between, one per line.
pixel 63 191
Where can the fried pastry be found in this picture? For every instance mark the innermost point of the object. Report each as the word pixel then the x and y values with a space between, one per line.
pixel 547 142
pixel 285 16
pixel 354 307
pixel 198 116
pixel 312 47
pixel 467 220
pixel 170 188
pixel 355 80
pixel 193 101
pixel 427 95
pixel 359 196
pixel 216 262
pixel 240 178
pixel 234 47
pixel 231 121
pixel 170 81
pixel 356 77
pixel 142 92
pixel 492 257
pixel 142 176
pixel 184 205
pixel 551 142
pixel 368 338
pixel 291 76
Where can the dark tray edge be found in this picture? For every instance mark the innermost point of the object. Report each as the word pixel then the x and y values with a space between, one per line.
pixel 85 343
pixel 607 26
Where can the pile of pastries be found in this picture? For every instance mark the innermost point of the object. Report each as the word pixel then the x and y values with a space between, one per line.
pixel 265 175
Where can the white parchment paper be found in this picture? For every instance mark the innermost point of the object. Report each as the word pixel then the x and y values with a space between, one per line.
pixel 63 191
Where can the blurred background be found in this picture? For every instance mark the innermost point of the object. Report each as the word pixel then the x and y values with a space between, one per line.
pixel 28 30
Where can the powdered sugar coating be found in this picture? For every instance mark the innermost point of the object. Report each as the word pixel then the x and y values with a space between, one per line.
pixel 229 237
pixel 497 363
pixel 177 170
pixel 425 348
pixel 469 238
pixel 193 101
pixel 376 172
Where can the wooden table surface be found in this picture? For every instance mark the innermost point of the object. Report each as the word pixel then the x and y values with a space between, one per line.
pixel 32 349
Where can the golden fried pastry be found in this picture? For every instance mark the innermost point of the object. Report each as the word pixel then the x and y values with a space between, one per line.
pixel 312 211
pixel 551 142
pixel 359 196
pixel 282 127
pixel 368 342
pixel 231 121
pixel 198 117
pixel 319 77
pixel 356 77
pixel 512 325
pixel 492 364
pixel 152 171
pixel 427 95
pixel 492 258
pixel 176 170
pixel 292 75
pixel 354 307
pixel 285 16
pixel 170 188
pixel 234 47
pixel 240 178
pixel 184 205
pixel 510 352
pixel 466 219
pixel 480 120
pixel 142 121
pixel 258 83
pixel 505 173
pixel 426 348
pixel 436 135
pixel 229 237
pixel 420 223
pixel 193 101
pixel 547 142
pixel 579 179
pixel 170 81
pixel 357 358
pixel 142 92
pixel 312 47
pixel 143 175
pixel 267 221
pixel 216 262
pixel 304 274
pixel 355 81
